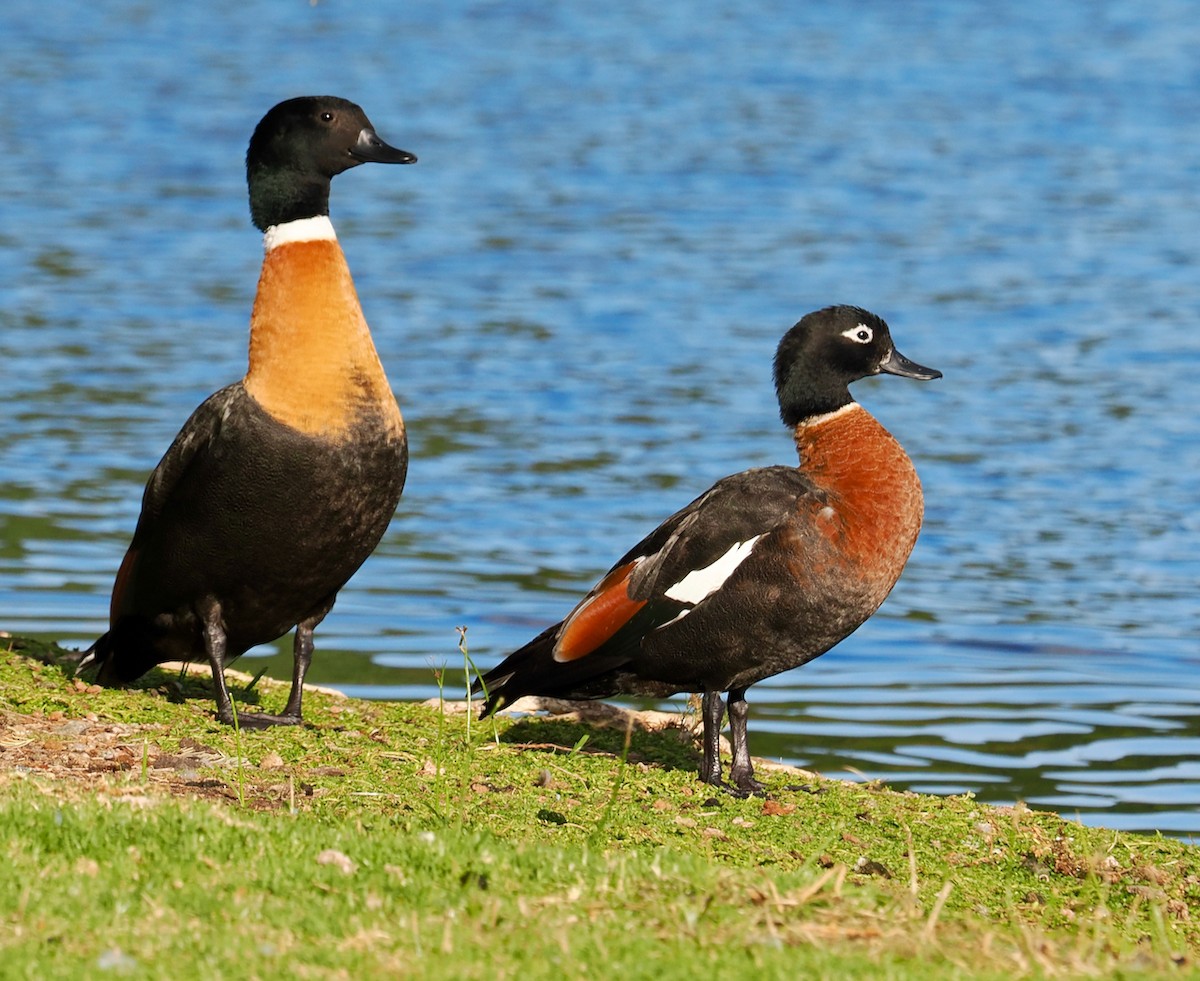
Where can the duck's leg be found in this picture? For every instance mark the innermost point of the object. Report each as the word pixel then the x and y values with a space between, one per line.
pixel 741 770
pixel 302 652
pixel 712 711
pixel 214 649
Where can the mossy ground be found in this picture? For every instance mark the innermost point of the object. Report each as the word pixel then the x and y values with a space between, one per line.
pixel 143 839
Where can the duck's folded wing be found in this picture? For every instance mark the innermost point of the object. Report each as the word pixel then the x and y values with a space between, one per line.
pixel 197 437
pixel 682 562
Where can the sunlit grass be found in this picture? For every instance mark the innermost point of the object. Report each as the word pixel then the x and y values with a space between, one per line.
pixel 141 838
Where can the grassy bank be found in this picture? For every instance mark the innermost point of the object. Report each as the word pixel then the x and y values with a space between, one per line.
pixel 142 839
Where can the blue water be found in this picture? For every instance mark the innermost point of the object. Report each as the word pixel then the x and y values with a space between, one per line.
pixel 577 291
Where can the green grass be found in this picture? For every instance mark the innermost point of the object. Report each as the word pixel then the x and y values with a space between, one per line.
pixel 392 840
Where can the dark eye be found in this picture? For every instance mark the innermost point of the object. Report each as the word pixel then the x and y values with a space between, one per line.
pixel 327 117
pixel 862 334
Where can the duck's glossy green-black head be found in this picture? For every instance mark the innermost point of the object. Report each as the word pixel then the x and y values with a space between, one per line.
pixel 827 350
pixel 299 147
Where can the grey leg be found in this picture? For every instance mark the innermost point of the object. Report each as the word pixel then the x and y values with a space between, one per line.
pixel 214 648
pixel 712 710
pixel 302 652
pixel 741 772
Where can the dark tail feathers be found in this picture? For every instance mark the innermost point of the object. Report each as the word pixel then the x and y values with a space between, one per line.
pixel 532 670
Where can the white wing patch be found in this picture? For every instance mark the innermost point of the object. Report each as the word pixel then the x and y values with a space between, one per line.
pixel 702 583
pixel 315 229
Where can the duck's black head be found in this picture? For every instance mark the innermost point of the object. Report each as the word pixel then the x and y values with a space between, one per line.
pixel 299 147
pixel 827 350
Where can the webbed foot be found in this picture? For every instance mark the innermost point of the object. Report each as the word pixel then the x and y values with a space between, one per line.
pixel 260 720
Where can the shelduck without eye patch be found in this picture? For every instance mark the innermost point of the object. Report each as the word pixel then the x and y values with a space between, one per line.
pixel 278 486
pixel 766 570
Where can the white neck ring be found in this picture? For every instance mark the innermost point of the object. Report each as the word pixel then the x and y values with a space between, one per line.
pixel 316 229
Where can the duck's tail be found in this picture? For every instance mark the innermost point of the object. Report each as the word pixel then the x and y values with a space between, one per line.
pixel 533 670
pixel 514 676
pixel 122 655
pixel 96 659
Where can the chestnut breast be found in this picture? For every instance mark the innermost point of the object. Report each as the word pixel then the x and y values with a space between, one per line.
pixel 869 511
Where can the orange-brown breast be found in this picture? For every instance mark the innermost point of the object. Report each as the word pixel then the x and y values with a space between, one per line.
pixel 873 506
pixel 313 365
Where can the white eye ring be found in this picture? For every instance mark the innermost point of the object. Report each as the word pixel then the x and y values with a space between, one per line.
pixel 862 334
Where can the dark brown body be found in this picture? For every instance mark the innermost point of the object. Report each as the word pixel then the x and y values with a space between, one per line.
pixel 278 487
pixel 851 515
pixel 265 520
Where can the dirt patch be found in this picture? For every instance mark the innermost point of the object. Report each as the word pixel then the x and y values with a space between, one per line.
pixel 89 756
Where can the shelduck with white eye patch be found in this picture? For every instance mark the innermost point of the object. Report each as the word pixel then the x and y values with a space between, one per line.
pixel 279 486
pixel 765 571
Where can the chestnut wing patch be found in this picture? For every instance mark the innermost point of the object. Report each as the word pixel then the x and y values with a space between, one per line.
pixel 594 621
pixel 124 573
